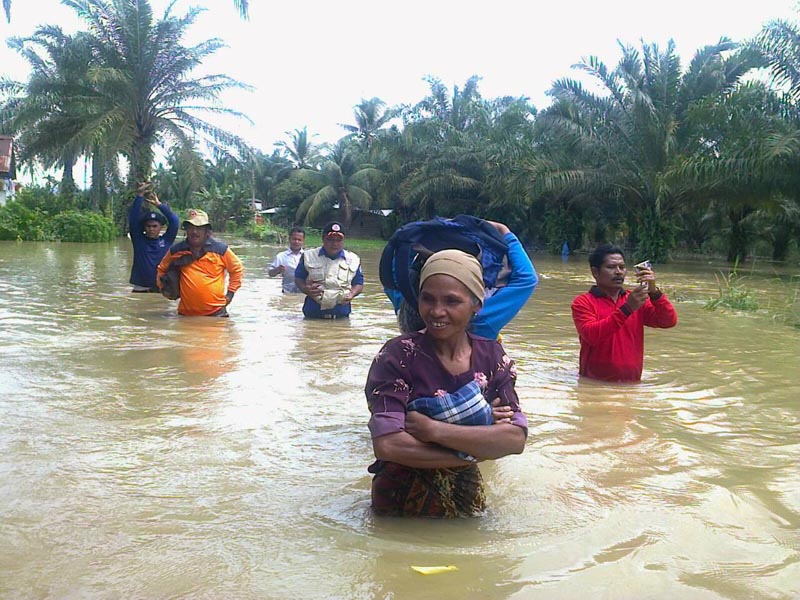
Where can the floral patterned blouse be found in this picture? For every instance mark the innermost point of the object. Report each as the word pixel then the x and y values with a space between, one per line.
pixel 407 368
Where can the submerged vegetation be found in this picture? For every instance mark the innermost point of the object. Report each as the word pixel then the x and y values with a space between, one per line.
pixel 651 154
pixel 732 292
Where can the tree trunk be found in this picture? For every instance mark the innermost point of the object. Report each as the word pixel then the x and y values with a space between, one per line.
pixel 141 160
pixel 740 235
pixel 781 240
pixel 67 186
pixel 99 190
pixel 344 206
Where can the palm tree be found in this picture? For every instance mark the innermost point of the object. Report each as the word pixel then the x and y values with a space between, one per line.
pixel 183 178
pixel 370 117
pixel 48 114
pixel 142 76
pixel 301 151
pixel 455 152
pixel 750 172
pixel 243 6
pixel 343 181
pixel 779 43
pixel 622 146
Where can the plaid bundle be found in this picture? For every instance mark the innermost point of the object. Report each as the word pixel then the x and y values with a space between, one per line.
pixel 466 406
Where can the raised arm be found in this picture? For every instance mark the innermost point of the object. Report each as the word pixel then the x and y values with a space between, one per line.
pixel 133 218
pixel 659 312
pixel 173 223
pixel 502 306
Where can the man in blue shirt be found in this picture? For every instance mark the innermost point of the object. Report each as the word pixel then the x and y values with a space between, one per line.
pixel 329 276
pixel 149 245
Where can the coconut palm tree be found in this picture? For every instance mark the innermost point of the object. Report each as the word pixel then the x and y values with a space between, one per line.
pixel 370 117
pixel 300 150
pixel 142 75
pixel 343 181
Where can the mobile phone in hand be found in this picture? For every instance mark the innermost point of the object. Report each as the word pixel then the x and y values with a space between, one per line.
pixel 645 264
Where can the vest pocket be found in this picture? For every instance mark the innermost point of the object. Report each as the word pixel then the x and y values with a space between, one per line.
pixel 345 274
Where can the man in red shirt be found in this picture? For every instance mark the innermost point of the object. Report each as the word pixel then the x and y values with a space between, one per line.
pixel 610 320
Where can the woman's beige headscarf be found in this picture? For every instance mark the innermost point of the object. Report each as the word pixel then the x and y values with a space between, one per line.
pixel 458 265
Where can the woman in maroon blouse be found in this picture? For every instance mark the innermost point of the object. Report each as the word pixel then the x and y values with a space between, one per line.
pixel 425 466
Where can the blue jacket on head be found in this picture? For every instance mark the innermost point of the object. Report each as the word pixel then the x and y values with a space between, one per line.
pixel 508 273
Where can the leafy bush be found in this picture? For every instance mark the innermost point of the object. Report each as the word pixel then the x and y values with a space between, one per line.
pixel 76 226
pixel 264 233
pixel 732 293
pixel 18 222
pixel 46 201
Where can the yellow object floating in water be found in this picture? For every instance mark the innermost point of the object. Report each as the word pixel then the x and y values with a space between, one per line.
pixel 434 570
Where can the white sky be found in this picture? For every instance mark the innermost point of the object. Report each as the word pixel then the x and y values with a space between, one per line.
pixel 310 62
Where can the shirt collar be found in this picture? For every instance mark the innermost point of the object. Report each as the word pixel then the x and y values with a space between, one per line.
pixel 323 253
pixel 598 293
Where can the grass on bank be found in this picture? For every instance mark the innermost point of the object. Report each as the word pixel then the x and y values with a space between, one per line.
pixel 270 234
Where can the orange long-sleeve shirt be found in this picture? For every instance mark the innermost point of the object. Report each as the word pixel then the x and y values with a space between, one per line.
pixel 203 280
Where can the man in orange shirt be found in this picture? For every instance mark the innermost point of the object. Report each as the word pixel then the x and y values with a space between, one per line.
pixel 202 263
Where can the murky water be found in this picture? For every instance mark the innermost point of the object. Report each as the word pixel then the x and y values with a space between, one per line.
pixel 150 456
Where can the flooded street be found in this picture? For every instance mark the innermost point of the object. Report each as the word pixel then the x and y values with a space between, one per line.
pixel 150 456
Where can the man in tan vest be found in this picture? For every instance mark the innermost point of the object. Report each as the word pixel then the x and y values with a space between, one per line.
pixel 329 276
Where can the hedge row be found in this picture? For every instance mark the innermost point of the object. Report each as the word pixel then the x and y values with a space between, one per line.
pixel 18 222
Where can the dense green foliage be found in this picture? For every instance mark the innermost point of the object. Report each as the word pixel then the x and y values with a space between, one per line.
pixel 18 222
pixel 76 226
pixel 656 156
pixel 33 218
pixel 116 90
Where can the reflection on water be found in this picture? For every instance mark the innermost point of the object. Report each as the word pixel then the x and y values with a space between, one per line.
pixel 146 455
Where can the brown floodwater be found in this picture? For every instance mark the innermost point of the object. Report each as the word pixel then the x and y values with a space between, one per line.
pixel 150 456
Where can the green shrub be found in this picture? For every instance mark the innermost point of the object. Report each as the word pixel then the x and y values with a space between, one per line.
pixel 18 222
pixel 732 293
pixel 264 233
pixel 76 226
pixel 45 201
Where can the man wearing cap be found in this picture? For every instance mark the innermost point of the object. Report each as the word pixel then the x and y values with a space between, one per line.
pixel 149 245
pixel 329 276
pixel 203 263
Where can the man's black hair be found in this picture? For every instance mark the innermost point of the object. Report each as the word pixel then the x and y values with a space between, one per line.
pixel 599 254
pixel 297 229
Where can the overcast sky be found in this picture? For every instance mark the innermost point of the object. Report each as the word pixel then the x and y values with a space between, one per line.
pixel 310 62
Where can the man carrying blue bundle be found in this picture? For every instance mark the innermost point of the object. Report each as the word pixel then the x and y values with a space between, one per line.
pixel 149 245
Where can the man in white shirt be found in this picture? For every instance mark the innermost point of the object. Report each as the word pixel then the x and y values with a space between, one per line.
pixel 286 262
